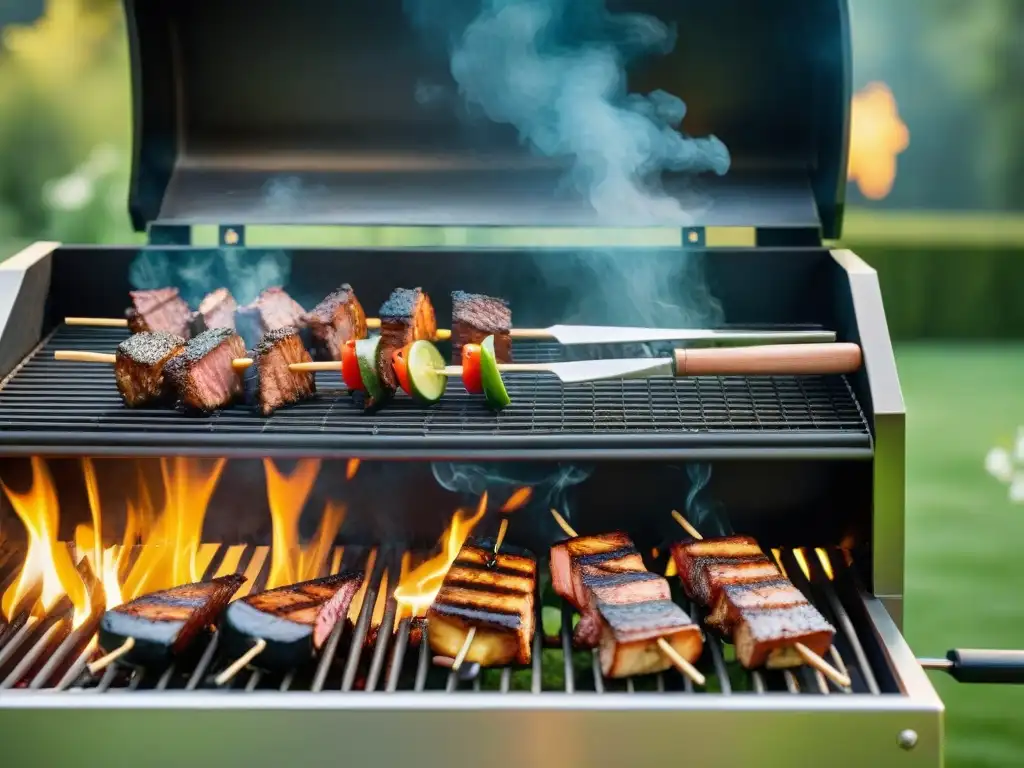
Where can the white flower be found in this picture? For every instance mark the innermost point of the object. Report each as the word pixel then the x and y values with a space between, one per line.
pixel 1017 488
pixel 72 193
pixel 999 465
pixel 1018 450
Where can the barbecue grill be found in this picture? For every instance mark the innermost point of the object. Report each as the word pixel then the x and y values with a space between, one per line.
pixel 334 114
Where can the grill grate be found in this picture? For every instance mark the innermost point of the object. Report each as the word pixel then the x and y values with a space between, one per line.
pixel 62 407
pixel 45 654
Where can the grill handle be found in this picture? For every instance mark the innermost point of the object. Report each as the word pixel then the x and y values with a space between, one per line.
pixel 968 665
pixel 775 360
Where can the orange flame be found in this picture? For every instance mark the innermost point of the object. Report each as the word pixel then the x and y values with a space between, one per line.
pixel 172 536
pixel 105 563
pixel 351 468
pixel 418 589
pixel 877 136
pixel 48 562
pixel 801 560
pixel 286 496
pixel 826 563
pixel 517 500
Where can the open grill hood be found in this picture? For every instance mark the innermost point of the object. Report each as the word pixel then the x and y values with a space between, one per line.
pixel 327 112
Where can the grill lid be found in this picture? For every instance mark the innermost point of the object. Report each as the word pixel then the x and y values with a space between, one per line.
pixel 327 112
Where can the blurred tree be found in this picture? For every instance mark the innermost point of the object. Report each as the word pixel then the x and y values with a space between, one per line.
pixel 981 44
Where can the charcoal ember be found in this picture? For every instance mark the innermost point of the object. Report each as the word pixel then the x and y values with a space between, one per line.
pixel 474 318
pixel 202 374
pixel 269 384
pixel 216 310
pixel 139 367
pixel 405 317
pixel 335 320
pixel 272 310
pixel 161 309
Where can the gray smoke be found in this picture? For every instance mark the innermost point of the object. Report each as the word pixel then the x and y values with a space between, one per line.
pixel 556 71
pixel 702 512
pixel 244 272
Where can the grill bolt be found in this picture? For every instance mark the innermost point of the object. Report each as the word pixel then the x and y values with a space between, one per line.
pixel 907 739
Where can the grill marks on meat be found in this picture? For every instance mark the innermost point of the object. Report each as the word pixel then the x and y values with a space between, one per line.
pixel 163 624
pixel 751 602
pixel 216 310
pixel 624 608
pixel 295 621
pixel 335 320
pixel 161 309
pixel 202 373
pixel 139 366
pixel 494 594
pixel 405 317
pixel 272 310
pixel 474 318
pixel 269 384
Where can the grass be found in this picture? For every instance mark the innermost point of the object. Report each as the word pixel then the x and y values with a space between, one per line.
pixel 965 575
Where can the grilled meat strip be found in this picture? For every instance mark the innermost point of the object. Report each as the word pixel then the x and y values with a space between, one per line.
pixel 625 609
pixel 495 594
pixel 474 318
pixel 216 310
pixel 295 621
pixel 272 309
pixel 269 384
pixel 751 601
pixel 164 623
pixel 202 374
pixel 139 366
pixel 335 320
pixel 161 309
pixel 405 317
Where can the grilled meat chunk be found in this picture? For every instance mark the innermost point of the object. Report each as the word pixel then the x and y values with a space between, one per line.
pixel 161 309
pixel 625 609
pixel 751 601
pixel 494 594
pixel 405 317
pixel 164 623
pixel 216 310
pixel 269 384
pixel 202 374
pixel 272 309
pixel 474 318
pixel 295 621
pixel 335 320
pixel 139 366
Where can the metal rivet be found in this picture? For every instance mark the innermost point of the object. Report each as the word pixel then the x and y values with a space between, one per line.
pixel 693 237
pixel 231 237
pixel 907 739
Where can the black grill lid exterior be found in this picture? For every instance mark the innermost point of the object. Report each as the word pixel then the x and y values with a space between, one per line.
pixel 342 112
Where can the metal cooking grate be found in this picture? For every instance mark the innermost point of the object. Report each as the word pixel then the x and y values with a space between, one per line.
pixel 45 654
pixel 50 406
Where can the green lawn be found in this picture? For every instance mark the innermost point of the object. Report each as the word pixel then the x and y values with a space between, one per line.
pixel 965 572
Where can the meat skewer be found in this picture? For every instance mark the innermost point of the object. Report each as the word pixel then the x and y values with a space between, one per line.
pixel 269 382
pixel 216 310
pixel 623 606
pixel 202 374
pixel 484 611
pixel 273 309
pixel 139 366
pixel 753 603
pixel 154 628
pixel 335 320
pixel 286 626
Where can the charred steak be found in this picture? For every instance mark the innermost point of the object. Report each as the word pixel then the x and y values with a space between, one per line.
pixel 474 318
pixel 335 320
pixel 139 366
pixel 269 383
pixel 272 309
pixel 216 310
pixel 161 309
pixel 202 373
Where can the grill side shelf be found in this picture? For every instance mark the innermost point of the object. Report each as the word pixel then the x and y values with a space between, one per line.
pixel 70 408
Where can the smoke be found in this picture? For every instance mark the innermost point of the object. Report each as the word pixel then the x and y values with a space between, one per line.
pixel 244 272
pixel 556 71
pixel 702 512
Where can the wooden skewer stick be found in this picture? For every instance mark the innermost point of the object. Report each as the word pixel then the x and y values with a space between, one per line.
pixel 461 655
pixel 671 653
pixel 810 658
pixel 100 664
pixel 102 322
pixel 502 530
pixel 241 662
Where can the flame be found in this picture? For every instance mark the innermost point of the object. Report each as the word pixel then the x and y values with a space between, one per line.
pixel 517 500
pixel 356 606
pixel 798 555
pixel 877 136
pixel 171 535
pixel 826 563
pixel 417 590
pixel 351 468
pixel 48 563
pixel 777 554
pixel 286 495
